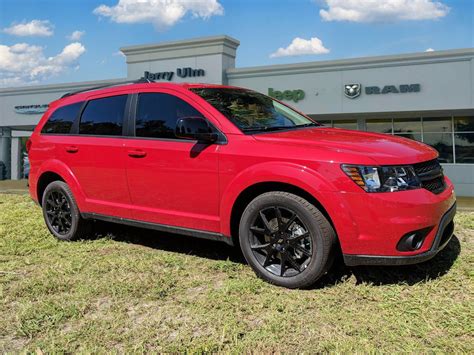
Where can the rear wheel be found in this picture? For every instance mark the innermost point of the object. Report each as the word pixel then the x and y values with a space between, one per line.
pixel 61 213
pixel 286 239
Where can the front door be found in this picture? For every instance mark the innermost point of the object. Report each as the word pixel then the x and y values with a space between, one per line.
pixel 171 181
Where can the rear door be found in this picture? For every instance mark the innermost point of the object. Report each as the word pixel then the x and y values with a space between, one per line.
pixel 95 154
pixel 172 181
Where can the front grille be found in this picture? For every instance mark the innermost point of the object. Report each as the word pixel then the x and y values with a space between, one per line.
pixel 431 176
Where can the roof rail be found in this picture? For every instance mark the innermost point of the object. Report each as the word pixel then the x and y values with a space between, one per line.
pixel 139 81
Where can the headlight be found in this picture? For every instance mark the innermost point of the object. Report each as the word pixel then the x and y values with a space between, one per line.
pixel 383 178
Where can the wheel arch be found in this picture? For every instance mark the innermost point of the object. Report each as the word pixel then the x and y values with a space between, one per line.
pixel 252 191
pixel 55 170
pixel 44 180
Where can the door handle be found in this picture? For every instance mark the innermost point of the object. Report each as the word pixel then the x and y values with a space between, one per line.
pixel 136 153
pixel 72 149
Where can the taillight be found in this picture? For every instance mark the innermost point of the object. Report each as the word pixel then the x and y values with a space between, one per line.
pixel 28 145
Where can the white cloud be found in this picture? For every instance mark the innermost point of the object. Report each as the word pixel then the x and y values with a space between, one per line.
pixel 22 63
pixel 161 13
pixel 76 35
pixel 430 50
pixel 383 10
pixel 118 54
pixel 300 46
pixel 41 28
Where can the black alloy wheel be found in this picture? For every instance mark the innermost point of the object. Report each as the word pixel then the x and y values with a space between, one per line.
pixel 286 240
pixel 61 213
pixel 280 241
pixel 58 212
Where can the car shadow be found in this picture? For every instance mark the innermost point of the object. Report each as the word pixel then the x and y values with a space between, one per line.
pixel 390 275
pixel 374 275
pixel 171 242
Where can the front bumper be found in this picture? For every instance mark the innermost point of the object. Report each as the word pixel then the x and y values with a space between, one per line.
pixel 443 235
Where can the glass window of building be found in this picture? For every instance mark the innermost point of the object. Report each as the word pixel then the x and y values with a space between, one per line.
pixel 327 123
pixel 443 143
pixel 437 124
pixel 346 124
pixel 464 140
pixel 379 125
pixel 414 136
pixel 437 132
pixel 464 124
pixel 406 125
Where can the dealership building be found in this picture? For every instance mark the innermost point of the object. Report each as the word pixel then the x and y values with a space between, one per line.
pixel 426 96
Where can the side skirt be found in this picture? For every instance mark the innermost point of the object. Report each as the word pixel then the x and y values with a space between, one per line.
pixel 161 227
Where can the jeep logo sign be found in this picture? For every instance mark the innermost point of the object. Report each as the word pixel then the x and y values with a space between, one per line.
pixel 293 95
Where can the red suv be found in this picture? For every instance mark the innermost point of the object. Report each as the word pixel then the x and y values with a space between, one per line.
pixel 234 165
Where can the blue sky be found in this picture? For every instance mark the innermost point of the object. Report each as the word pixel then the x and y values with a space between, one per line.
pixel 35 48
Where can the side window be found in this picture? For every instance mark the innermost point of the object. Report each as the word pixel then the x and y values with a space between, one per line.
pixel 103 117
pixel 157 114
pixel 61 120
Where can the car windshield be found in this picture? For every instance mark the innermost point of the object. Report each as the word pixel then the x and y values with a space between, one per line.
pixel 252 111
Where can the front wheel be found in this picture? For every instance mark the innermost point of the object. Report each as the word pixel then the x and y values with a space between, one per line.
pixel 286 240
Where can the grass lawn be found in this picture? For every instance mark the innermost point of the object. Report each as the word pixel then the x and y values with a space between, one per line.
pixel 138 290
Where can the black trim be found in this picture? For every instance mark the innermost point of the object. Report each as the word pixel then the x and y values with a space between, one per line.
pixel 130 123
pixel 161 227
pixel 77 120
pixel 289 129
pixel 440 241
pixel 128 137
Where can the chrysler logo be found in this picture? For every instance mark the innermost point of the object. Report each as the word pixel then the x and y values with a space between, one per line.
pixel 352 90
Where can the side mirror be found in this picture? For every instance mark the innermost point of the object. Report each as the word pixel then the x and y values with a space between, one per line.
pixel 195 128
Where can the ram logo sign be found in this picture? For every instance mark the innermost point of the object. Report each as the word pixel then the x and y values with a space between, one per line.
pixel 392 89
pixel 354 90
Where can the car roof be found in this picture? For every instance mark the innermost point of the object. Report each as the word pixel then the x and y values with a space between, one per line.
pixel 86 93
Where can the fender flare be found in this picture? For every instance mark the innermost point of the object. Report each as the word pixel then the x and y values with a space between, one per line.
pixel 281 172
pixel 57 167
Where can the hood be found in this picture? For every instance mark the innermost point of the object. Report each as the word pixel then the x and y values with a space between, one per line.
pixel 384 149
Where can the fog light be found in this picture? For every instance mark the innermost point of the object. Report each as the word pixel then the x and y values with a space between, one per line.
pixel 413 240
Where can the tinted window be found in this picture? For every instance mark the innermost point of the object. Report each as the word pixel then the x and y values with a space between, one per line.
pixel 103 116
pixel 252 111
pixel 61 120
pixel 157 115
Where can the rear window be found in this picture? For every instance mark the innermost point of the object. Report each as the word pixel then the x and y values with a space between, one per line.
pixel 103 117
pixel 61 120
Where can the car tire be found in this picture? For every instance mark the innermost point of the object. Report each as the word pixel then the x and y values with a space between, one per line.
pixel 61 214
pixel 286 239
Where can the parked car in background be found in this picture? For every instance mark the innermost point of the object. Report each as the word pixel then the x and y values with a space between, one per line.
pixel 234 165
pixel 26 166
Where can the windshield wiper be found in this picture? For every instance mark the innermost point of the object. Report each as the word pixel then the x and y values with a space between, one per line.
pixel 308 125
pixel 265 128
pixel 276 128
